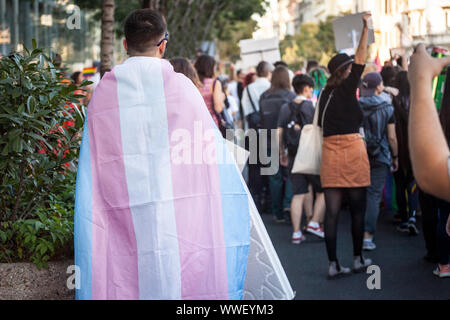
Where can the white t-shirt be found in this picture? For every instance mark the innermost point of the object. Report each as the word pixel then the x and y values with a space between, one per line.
pixel 233 88
pixel 233 106
pixel 256 89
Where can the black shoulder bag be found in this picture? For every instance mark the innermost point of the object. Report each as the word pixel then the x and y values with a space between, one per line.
pixel 254 118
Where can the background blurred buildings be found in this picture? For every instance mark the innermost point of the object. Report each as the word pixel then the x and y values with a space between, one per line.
pixel 399 24
pixel 46 21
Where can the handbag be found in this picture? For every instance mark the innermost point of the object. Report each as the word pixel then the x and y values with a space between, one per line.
pixel 254 118
pixel 309 153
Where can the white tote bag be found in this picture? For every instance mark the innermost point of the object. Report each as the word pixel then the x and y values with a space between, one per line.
pixel 309 153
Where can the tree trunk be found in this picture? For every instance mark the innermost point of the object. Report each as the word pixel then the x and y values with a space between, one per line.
pixel 107 42
pixel 152 4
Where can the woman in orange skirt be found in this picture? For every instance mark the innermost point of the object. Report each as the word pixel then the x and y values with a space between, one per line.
pixel 345 166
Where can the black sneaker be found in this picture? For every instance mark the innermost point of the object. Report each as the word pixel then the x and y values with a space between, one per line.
pixel 413 231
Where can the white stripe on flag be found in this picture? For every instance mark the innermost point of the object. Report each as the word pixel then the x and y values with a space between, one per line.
pixel 145 141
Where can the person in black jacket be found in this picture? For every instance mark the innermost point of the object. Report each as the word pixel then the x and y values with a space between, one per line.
pixel 293 117
pixel 270 104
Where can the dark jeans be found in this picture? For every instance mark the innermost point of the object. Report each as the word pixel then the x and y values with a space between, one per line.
pixel 280 192
pixel 443 240
pixel 406 198
pixel 429 209
pixel 258 184
pixel 435 213
pixel 378 176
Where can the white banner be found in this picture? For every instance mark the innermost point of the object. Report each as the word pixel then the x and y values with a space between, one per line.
pixel 255 51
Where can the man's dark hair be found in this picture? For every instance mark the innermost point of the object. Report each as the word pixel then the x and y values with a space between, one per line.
pixel 280 63
pixel 311 64
pixel 263 69
pixel 388 74
pixel 301 81
pixel 205 66
pixel 143 29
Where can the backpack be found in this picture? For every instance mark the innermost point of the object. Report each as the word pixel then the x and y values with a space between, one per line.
pixel 294 127
pixel 270 105
pixel 254 118
pixel 372 136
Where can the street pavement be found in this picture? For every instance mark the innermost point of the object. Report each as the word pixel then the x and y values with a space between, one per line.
pixel 404 272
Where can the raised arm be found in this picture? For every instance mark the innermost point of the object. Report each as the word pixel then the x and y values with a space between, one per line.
pixel 428 147
pixel 361 52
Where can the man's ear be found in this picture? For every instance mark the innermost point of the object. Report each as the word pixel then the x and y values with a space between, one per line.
pixel 125 45
pixel 162 48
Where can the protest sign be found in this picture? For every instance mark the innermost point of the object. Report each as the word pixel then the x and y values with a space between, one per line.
pixel 253 51
pixel 347 31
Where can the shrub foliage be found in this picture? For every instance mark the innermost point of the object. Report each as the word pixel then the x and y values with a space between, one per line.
pixel 40 122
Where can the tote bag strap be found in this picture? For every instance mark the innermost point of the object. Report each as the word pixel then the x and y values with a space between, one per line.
pixel 326 107
pixel 316 111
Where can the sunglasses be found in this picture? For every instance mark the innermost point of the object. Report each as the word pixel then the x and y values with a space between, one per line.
pixel 166 38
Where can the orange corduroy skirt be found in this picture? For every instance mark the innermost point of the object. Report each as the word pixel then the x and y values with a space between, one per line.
pixel 345 163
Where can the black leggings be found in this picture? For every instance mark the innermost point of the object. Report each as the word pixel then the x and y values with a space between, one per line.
pixel 357 202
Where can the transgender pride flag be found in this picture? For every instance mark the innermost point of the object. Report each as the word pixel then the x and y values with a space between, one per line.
pixel 146 225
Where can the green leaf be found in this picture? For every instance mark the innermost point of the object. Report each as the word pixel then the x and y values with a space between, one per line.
pixel 31 102
pixel 5 150
pixel 17 62
pixel 21 108
pixel 3 236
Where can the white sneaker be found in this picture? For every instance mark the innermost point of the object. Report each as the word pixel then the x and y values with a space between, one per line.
pixel 360 264
pixel 369 245
pixel 335 270
pixel 318 231
pixel 298 237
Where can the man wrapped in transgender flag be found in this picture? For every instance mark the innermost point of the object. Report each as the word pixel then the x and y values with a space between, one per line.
pixel 161 209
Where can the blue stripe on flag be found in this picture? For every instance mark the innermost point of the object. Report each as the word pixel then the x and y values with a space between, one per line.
pixel 236 220
pixel 83 219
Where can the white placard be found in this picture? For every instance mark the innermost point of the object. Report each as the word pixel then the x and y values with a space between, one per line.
pixel 254 51
pixel 347 31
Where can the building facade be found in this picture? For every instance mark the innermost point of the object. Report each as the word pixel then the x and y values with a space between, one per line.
pixel 399 25
pixel 56 25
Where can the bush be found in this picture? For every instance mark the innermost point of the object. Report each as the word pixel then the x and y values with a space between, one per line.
pixel 49 234
pixel 37 144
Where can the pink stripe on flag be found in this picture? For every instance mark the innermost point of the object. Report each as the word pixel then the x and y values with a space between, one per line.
pixel 114 252
pixel 197 198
